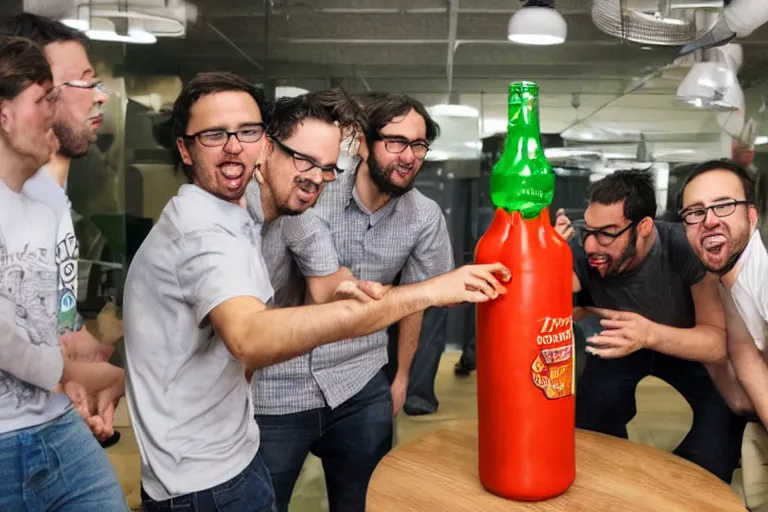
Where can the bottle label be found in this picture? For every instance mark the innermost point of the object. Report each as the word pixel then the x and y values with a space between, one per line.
pixel 552 370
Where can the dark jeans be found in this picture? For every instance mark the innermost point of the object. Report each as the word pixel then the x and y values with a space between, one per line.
pixel 250 491
pixel 605 402
pixel 421 398
pixel 350 440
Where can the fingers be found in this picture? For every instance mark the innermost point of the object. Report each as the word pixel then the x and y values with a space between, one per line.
pixel 257 175
pixel 607 353
pixel 350 290
pixel 480 285
pixel 475 297
pixel 496 268
pixel 603 341
pixel 372 289
pixel 614 324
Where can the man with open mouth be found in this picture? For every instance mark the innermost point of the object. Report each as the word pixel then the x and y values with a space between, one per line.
pixel 720 219
pixel 661 316
pixel 337 401
pixel 196 315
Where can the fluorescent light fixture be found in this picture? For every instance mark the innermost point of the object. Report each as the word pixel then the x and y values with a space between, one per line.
pixel 537 23
pixel 762 139
pixel 453 110
pixel 288 91
pixel 101 29
pixel 710 86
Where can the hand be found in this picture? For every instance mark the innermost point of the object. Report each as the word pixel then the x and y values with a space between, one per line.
pixel 83 346
pixel 469 283
pixel 97 411
pixel 363 291
pixel 563 225
pixel 399 390
pixel 624 334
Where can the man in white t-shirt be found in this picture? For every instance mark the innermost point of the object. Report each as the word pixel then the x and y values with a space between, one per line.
pixel 196 296
pixel 49 459
pixel 718 211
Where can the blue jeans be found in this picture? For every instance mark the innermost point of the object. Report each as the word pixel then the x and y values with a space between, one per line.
pixel 605 402
pixel 250 491
pixel 59 466
pixel 350 440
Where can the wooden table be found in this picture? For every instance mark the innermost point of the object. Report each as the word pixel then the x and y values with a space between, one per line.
pixel 437 472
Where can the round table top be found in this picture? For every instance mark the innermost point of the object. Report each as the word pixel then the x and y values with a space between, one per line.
pixel 438 472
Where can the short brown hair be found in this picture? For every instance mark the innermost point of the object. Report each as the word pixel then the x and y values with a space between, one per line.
pixel 22 63
pixel 332 106
pixel 42 30
pixel 382 108
pixel 203 84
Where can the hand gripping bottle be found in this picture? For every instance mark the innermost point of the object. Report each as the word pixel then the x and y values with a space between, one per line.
pixel 525 367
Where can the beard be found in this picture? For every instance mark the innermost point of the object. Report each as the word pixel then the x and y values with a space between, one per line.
pixel 629 252
pixel 381 179
pixel 71 143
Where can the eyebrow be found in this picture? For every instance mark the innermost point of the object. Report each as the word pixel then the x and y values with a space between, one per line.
pixel 87 72
pixel 239 127
pixel 602 228
pixel 398 136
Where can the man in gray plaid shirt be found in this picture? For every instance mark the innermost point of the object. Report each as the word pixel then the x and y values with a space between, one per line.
pixel 336 401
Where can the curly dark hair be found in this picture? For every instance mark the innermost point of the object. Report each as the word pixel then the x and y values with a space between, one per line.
pixel 634 187
pixel 332 106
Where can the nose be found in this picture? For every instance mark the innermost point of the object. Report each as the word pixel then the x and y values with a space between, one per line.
pixel 233 145
pixel 590 244
pixel 100 96
pixel 315 175
pixel 710 219
pixel 407 157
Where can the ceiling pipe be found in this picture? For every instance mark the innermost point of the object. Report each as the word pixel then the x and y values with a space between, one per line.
pixel 234 45
pixel 453 22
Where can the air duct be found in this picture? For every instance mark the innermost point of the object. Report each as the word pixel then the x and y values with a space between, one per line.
pixel 120 20
pixel 739 19
pixel 653 22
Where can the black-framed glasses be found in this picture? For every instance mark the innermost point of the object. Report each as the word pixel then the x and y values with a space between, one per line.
pixel 304 163
pixel 603 238
pixel 696 214
pixel 219 137
pixel 397 145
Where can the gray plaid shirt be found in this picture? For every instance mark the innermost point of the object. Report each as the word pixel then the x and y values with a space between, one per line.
pixel 408 234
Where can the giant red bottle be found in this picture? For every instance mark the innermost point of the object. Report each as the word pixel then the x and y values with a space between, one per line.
pixel 525 366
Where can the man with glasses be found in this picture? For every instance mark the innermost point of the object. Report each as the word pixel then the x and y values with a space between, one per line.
pixel 196 310
pixel 49 459
pixel 337 402
pixel 661 316
pixel 717 205
pixel 81 96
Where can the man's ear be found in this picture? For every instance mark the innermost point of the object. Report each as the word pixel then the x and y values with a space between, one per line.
pixel 6 116
pixel 645 227
pixel 753 217
pixel 183 151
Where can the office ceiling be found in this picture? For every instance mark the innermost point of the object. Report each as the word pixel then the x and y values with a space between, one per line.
pixel 593 84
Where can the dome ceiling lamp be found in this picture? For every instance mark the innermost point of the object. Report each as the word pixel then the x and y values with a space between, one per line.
pixel 537 23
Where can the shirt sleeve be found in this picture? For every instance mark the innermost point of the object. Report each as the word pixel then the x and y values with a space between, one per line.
pixel 687 264
pixel 309 239
pixel 433 254
pixel 215 266
pixel 40 365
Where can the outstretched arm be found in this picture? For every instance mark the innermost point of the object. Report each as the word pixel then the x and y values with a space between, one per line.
pixel 261 337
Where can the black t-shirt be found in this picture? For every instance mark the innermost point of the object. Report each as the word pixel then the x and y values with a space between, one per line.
pixel 658 289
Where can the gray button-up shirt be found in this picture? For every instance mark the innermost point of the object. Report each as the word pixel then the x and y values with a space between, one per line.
pixel 407 234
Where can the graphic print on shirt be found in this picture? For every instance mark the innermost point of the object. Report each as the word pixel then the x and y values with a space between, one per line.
pixel 28 278
pixel 67 252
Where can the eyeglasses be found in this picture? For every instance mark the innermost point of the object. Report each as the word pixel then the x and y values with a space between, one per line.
pixel 398 144
pixel 84 84
pixel 214 138
pixel 304 163
pixel 603 238
pixel 697 214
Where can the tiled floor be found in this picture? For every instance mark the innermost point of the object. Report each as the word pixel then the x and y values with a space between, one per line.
pixel 662 420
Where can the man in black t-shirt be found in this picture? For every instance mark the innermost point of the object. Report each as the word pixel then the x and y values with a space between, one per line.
pixel 661 315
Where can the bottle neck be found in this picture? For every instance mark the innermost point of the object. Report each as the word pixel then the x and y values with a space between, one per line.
pixel 523 122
